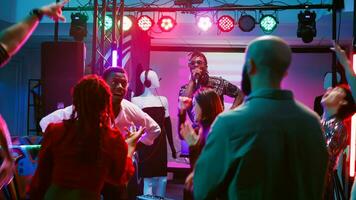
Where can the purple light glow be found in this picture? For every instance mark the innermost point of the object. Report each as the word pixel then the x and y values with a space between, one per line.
pixel 114 58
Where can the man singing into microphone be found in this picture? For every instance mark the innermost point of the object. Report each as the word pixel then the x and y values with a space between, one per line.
pixel 199 77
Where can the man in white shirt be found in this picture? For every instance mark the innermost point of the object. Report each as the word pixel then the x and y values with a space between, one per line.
pixel 127 114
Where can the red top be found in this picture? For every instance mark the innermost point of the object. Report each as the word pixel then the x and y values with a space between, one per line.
pixel 58 162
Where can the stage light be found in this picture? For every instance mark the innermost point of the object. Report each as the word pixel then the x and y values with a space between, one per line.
pixel 127 23
pixel 108 22
pixel 268 23
pixel 78 26
pixel 166 23
pixel 306 26
pixel 204 23
pixel 247 23
pixel 226 23
pixel 145 23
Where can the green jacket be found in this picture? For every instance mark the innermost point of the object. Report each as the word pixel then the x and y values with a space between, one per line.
pixel 272 147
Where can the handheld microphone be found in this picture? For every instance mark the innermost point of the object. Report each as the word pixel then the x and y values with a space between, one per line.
pixel 196 78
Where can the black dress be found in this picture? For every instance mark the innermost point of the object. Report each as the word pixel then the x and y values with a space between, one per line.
pixel 153 159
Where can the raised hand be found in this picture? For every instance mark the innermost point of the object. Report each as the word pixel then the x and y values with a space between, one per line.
pixel 189 182
pixel 54 11
pixel 189 134
pixel 132 137
pixel 184 103
pixel 341 56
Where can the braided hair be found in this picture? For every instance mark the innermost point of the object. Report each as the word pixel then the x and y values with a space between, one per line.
pixel 92 114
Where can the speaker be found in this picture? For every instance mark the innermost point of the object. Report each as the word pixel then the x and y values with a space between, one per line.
pixel 62 66
pixel 147 83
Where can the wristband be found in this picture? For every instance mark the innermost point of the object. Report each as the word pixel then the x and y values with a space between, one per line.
pixel 37 12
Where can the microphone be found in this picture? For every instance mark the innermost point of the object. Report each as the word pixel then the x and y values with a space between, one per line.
pixel 196 78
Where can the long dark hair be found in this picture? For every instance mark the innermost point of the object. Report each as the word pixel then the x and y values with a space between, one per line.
pixel 91 114
pixel 349 108
pixel 210 104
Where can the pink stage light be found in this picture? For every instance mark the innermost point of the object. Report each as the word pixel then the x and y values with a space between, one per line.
pixel 353 131
pixel 114 58
pixel 145 23
pixel 226 23
pixel 166 23
pixel 204 23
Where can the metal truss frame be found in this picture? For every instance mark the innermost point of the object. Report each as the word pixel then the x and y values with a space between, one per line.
pixel 104 41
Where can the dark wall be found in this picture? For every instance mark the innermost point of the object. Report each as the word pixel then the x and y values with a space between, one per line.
pixel 15 75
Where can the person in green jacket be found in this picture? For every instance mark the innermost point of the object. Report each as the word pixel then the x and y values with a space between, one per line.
pixel 272 147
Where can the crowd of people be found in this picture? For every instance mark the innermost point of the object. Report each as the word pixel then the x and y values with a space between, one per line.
pixel 268 146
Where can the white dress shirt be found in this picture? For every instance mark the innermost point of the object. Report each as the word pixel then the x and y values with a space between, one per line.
pixel 129 114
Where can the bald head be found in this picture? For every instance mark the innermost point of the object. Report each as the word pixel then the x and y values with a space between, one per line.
pixel 270 54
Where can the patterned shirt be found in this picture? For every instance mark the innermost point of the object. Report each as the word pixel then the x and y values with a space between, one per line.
pixel 220 85
pixel 336 141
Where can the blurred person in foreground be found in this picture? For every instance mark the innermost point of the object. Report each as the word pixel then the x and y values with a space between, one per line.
pixel 11 41
pixel 272 147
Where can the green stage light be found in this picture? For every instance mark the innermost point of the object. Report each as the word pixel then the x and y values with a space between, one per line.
pixel 268 23
pixel 108 22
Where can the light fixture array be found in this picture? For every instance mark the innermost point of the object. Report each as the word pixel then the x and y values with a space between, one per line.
pixel 246 23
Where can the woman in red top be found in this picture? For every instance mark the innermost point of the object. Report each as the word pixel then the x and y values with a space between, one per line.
pixel 80 154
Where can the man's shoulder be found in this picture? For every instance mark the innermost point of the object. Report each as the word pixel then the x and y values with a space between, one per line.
pixel 129 106
pixel 233 127
pixel 67 111
pixel 233 117
pixel 218 79
pixel 307 112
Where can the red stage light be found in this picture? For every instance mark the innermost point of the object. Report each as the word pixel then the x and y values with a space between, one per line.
pixel 166 23
pixel 145 23
pixel 226 23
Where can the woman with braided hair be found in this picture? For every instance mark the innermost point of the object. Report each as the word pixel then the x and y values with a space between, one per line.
pixel 80 154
